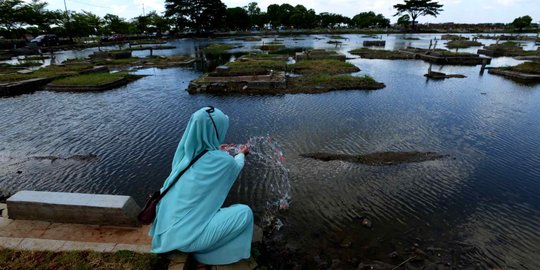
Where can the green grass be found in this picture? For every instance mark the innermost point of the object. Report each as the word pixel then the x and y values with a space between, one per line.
pixel 151 60
pixel 378 54
pixel 529 53
pixel 288 51
pixel 35 57
pixel 47 72
pixel 453 37
pixel 324 66
pixel 169 58
pixel 509 48
pixel 527 67
pixel 217 49
pixel 264 56
pixel 509 45
pixel 116 62
pixel 255 67
pixel 272 46
pixel 249 38
pixel 22 260
pixel 166 61
pixel 22 64
pixel 321 52
pixel 325 82
pixel 143 48
pixel 91 79
pixel 307 67
pixel 335 80
pixel 449 53
pixel 337 37
pixel 455 44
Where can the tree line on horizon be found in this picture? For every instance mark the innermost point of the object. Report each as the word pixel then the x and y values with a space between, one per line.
pixel 18 17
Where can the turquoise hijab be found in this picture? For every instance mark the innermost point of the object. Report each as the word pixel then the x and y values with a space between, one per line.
pixel 192 202
pixel 206 130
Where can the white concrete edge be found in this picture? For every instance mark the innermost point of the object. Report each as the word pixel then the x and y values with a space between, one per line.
pixel 34 244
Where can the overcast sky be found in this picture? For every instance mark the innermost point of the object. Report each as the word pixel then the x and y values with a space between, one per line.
pixel 463 11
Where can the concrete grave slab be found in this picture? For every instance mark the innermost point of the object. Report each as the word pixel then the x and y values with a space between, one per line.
pixel 115 210
pixel 10 242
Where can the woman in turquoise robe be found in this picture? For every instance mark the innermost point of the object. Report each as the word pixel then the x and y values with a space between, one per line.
pixel 190 218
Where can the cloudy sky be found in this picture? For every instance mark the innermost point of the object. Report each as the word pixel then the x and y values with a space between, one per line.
pixel 465 11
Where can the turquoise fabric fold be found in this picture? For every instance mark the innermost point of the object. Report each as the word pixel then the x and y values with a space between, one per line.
pixel 190 218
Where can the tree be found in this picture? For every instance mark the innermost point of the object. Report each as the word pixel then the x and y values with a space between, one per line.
pixel 151 22
pixel 417 8
pixel 369 19
pixel 280 15
pixel 285 12
pixel 256 17
pixel 142 23
pixel 253 9
pixel 34 13
pixel 11 14
pixel 161 23
pixel 237 19
pixel 331 20
pixel 116 25
pixel 272 12
pixel 404 21
pixel 16 16
pixel 84 24
pixel 522 22
pixel 200 15
pixel 303 18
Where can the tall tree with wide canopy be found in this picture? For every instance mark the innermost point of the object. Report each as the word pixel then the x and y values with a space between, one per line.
pixel 404 21
pixel 237 19
pixel 17 14
pixel 272 11
pixel 256 17
pixel 117 25
pixel 522 22
pixel 253 9
pixel 370 19
pixel 417 8
pixel 304 18
pixel 331 20
pixel 151 22
pixel 84 24
pixel 199 15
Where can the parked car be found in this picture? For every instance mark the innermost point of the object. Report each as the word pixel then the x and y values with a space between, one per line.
pixel 117 37
pixel 45 40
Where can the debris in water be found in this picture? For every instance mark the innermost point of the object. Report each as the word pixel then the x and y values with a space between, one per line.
pixel 367 223
pixel 379 158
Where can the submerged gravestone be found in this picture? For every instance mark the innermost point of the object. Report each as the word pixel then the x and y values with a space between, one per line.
pixel 63 207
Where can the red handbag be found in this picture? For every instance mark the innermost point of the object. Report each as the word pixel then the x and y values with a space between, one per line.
pixel 148 213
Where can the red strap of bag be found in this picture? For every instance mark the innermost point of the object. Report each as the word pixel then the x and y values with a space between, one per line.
pixel 148 213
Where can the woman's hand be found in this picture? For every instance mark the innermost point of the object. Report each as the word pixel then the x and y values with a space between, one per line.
pixel 244 149
pixel 225 147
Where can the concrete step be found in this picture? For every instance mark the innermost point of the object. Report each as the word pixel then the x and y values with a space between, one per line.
pixel 82 208
pixel 35 244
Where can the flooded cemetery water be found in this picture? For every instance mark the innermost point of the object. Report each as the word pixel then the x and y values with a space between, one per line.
pixel 478 207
